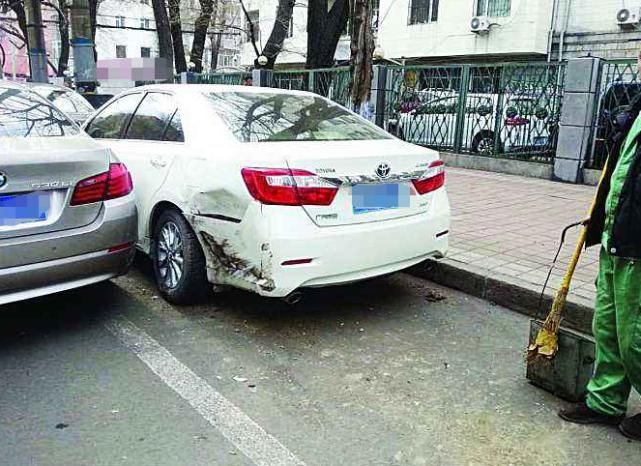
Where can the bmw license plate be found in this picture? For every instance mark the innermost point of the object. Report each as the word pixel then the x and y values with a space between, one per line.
pixel 16 209
pixel 375 197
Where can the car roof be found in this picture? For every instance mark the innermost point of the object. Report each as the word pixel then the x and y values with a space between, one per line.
pixel 191 89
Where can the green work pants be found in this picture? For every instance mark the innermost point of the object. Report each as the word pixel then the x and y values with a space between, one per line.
pixel 617 330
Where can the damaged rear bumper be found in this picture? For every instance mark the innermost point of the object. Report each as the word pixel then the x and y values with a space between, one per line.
pixel 254 254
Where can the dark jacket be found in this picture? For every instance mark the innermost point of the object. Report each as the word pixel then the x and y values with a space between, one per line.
pixel 626 231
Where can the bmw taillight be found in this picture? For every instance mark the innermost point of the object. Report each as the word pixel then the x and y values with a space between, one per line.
pixel 432 179
pixel 282 186
pixel 109 185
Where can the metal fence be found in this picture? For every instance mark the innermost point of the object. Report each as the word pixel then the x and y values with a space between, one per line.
pixel 619 86
pixel 332 83
pixel 506 110
pixel 509 110
pixel 222 78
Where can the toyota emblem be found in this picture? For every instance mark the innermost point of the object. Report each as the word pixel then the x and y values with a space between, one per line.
pixel 383 170
pixel 3 180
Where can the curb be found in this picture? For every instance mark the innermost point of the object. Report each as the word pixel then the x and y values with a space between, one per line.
pixel 503 290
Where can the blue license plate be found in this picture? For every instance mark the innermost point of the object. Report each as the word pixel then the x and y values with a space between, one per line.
pixel 375 197
pixel 16 209
pixel 540 141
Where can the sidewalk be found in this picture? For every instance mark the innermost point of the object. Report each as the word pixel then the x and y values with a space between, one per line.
pixel 505 232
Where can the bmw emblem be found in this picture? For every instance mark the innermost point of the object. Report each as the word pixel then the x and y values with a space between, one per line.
pixel 3 180
pixel 383 170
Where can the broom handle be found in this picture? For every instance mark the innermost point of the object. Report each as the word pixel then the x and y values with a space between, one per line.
pixel 567 279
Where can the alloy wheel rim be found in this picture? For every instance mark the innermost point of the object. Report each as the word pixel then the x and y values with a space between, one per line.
pixel 486 145
pixel 169 257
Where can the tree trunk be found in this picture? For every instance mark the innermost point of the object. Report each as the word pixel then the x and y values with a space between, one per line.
pixel 176 29
pixel 163 30
pixel 281 26
pixel 93 18
pixel 215 48
pixel 362 48
pixel 63 29
pixel 324 29
pixel 200 34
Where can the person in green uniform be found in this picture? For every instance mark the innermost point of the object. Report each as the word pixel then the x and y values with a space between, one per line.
pixel 616 226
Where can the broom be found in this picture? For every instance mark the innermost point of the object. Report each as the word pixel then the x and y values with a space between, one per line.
pixel 546 344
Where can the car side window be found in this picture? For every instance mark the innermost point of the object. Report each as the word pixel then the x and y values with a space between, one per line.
pixel 151 117
pixel 110 123
pixel 174 131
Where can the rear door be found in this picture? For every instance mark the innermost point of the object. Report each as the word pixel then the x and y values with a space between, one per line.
pixel 151 142
pixel 42 157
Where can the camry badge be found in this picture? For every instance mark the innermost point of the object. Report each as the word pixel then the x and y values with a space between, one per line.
pixel 3 180
pixel 383 170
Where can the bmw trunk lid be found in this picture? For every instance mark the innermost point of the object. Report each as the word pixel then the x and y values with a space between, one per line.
pixel 374 178
pixel 38 176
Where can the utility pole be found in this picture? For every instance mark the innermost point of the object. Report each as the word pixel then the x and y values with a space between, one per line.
pixel 36 41
pixel 84 62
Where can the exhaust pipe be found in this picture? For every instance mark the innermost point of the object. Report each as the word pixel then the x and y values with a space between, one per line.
pixel 293 298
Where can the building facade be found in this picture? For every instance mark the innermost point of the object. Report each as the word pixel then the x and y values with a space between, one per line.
pixel 475 31
pixel 126 29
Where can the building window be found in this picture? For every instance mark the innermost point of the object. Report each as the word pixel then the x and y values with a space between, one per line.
pixel 120 21
pixel 253 22
pixel 145 2
pixel 225 61
pixel 121 51
pixel 424 11
pixel 494 7
pixel 145 52
pixel 144 23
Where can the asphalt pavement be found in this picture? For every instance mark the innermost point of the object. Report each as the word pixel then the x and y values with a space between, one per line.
pixel 394 371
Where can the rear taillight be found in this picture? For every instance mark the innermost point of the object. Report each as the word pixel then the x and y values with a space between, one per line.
pixel 432 179
pixel 281 186
pixel 109 185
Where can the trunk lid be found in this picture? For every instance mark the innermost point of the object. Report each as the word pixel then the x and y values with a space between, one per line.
pixel 374 178
pixel 40 175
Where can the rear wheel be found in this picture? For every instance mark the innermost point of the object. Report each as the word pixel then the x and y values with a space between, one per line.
pixel 483 143
pixel 179 262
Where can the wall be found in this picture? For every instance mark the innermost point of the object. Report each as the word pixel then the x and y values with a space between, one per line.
pixel 592 29
pixel 108 38
pixel 524 32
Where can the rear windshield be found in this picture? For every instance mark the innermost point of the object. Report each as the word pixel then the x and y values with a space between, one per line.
pixel 67 101
pixel 254 117
pixel 22 114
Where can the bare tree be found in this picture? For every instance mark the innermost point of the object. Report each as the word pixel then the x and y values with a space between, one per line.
pixel 326 22
pixel 279 32
pixel 362 49
pixel 175 26
pixel 200 33
pixel 163 30
pixel 63 30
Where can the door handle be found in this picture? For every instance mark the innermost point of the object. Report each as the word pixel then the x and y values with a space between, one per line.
pixel 158 162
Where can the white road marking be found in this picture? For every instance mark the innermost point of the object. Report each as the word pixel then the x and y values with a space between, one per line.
pixel 233 424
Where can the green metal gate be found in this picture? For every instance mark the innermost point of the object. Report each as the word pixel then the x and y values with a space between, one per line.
pixel 506 110
pixel 619 86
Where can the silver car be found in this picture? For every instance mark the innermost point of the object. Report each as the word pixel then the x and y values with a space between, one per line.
pixel 67 100
pixel 67 210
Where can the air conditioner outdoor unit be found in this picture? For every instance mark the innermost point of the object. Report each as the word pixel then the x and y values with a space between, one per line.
pixel 480 24
pixel 627 17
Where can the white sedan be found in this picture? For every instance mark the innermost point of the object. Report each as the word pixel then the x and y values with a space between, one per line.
pixel 270 191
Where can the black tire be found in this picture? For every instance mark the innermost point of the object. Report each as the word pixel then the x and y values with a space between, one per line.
pixel 481 141
pixel 191 285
